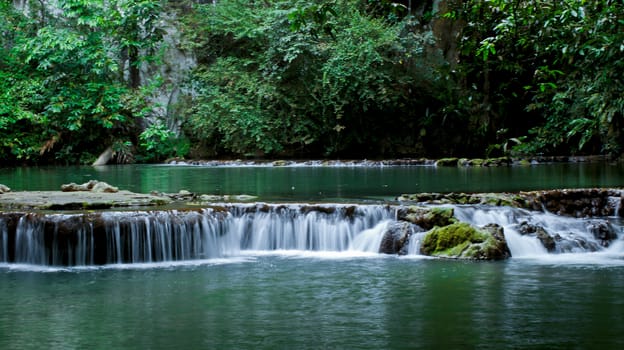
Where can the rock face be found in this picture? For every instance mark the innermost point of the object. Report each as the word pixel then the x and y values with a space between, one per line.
pixel 464 241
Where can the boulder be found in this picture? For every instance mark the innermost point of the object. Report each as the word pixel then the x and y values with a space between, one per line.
pixel 427 217
pixel 447 162
pixel 540 233
pixel 395 240
pixel 91 186
pixel 103 187
pixel 464 241
pixel 4 188
pixel 603 231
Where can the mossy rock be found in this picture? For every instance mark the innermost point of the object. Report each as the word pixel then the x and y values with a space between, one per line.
pixel 427 217
pixel 447 162
pixel 476 162
pixel 464 241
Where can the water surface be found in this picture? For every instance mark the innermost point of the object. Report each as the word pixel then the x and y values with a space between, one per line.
pixel 294 301
pixel 328 184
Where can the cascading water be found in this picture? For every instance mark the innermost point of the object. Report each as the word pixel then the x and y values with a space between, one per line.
pixel 225 231
pixel 146 237
pixel 530 233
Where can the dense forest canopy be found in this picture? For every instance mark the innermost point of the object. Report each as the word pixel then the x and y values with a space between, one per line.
pixel 309 79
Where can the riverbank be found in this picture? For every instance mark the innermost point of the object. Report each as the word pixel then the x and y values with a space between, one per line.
pixel 453 161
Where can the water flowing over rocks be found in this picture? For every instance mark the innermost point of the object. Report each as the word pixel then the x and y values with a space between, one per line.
pixel 396 238
pixel 540 233
pixel 454 225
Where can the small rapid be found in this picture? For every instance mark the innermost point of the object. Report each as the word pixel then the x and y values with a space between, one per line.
pixel 230 231
pixel 211 233
pixel 532 234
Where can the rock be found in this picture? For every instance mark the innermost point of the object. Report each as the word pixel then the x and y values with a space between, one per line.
pixel 427 217
pixel 497 199
pixel 58 200
pixel 210 198
pixel 73 187
pixel 502 161
pixel 244 197
pixel 395 240
pixel 463 241
pixel 447 162
pixel 103 187
pixel 588 202
pixel 4 188
pixel 280 163
pixel 93 186
pixel 603 231
pixel 540 233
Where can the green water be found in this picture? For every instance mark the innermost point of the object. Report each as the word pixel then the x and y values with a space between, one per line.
pixel 320 183
pixel 293 302
pixel 316 300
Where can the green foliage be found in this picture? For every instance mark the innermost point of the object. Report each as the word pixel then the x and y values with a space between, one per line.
pixel 289 78
pixel 559 61
pixel 159 142
pixel 64 88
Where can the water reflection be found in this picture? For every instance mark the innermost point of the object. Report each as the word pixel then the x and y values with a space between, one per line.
pixel 320 183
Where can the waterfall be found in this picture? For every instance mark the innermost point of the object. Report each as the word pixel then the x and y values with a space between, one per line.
pixel 230 230
pixel 157 236
pixel 530 233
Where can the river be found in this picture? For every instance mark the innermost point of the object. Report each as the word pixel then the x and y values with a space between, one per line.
pixel 264 297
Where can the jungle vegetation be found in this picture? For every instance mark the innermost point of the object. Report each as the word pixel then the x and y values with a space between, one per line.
pixel 312 79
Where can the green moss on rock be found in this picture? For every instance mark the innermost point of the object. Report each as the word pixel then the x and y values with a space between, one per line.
pixel 428 217
pixel 447 162
pixel 464 241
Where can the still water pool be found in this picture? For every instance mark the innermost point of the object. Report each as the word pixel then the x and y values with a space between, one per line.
pixel 327 184
pixel 319 300
pixel 308 301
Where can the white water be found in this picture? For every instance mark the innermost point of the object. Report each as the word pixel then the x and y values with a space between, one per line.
pixel 573 235
pixel 162 238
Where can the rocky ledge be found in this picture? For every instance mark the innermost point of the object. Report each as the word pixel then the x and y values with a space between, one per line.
pixel 94 195
pixel 444 162
pixel 58 200
pixel 585 202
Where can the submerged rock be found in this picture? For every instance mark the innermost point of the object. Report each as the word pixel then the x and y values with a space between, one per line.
pixel 464 241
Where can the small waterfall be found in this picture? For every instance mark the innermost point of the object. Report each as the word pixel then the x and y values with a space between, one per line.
pixel 531 233
pixel 369 240
pixel 147 237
